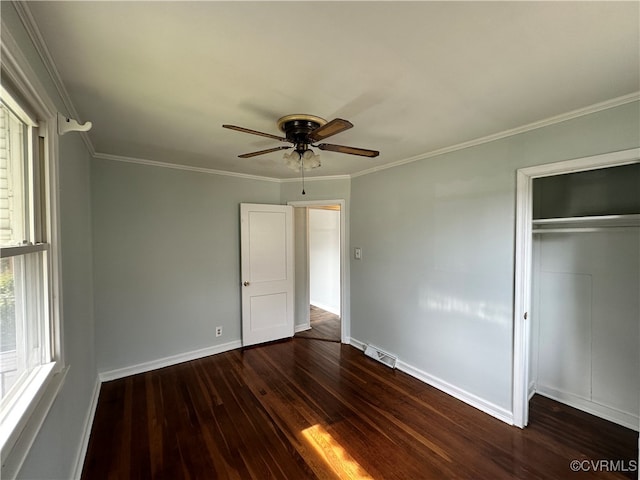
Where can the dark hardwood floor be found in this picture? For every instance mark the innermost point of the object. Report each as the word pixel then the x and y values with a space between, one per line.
pixel 311 409
pixel 324 326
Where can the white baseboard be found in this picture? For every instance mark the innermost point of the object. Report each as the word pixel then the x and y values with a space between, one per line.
pixel 532 389
pixel 357 343
pixel 608 413
pixel 117 373
pixel 468 398
pixel 86 434
pixel 327 308
pixel 302 328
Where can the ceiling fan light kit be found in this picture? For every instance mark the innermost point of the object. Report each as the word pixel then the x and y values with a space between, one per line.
pixel 307 160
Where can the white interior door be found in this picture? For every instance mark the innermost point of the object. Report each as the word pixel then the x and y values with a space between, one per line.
pixel 267 267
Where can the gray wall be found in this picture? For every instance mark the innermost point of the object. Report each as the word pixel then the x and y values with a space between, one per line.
pixel 435 283
pixel 166 259
pixel 331 189
pixel 54 452
pixel 167 256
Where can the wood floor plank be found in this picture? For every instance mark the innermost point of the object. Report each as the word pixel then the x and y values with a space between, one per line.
pixel 307 409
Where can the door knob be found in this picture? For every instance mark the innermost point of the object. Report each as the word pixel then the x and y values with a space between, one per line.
pixel 246 284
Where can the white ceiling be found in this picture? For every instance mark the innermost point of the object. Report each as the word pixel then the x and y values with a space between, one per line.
pixel 158 79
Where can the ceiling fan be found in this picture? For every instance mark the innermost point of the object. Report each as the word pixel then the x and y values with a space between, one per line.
pixel 303 131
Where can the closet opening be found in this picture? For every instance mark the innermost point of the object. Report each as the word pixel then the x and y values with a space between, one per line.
pixel 584 343
pixel 576 325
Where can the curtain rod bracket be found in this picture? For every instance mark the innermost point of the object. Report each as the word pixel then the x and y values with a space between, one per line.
pixel 66 124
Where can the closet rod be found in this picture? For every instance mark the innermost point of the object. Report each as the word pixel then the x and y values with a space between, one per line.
pixel 594 220
pixel 583 229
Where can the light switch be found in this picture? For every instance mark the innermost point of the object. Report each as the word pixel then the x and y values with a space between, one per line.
pixel 357 253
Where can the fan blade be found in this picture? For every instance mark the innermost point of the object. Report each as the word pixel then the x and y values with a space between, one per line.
pixel 262 152
pixel 349 150
pixel 255 132
pixel 333 127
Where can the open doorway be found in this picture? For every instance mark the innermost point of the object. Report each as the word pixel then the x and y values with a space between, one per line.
pixel 561 228
pixel 319 239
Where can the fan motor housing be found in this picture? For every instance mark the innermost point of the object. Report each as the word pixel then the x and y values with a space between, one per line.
pixel 297 127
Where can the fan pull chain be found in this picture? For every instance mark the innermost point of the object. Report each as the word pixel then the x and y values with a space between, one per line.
pixel 302 172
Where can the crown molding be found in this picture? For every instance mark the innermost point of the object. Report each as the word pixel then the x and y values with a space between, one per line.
pixel 175 166
pixel 17 68
pixel 581 112
pixel 40 46
pixel 211 171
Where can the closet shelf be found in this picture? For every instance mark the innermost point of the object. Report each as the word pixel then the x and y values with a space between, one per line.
pixel 586 224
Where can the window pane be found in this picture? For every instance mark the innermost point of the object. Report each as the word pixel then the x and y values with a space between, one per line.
pixel 21 318
pixel 9 365
pixel 13 195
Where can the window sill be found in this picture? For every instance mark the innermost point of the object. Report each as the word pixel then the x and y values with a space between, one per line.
pixel 25 417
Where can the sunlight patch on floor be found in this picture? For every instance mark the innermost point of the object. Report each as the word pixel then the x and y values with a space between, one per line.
pixel 336 457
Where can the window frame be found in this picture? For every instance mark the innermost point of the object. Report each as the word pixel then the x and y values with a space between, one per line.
pixel 38 392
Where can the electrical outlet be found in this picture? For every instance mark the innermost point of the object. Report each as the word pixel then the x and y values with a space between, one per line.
pixel 218 331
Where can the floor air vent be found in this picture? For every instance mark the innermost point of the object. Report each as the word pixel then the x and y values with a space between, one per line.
pixel 381 356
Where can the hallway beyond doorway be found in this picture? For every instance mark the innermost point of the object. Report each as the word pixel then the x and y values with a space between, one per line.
pixel 324 326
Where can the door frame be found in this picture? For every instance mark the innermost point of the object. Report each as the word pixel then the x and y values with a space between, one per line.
pixel 344 262
pixel 523 256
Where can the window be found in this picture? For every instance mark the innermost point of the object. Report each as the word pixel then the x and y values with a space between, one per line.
pixel 29 350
